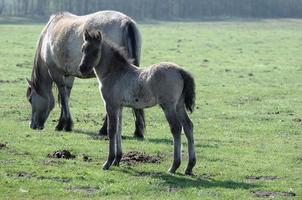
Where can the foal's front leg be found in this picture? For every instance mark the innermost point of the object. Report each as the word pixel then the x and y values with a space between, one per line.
pixel 112 114
pixel 118 137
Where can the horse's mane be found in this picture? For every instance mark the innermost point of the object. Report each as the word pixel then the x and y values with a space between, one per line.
pixel 120 53
pixel 36 75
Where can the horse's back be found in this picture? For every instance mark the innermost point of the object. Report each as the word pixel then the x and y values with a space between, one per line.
pixel 63 38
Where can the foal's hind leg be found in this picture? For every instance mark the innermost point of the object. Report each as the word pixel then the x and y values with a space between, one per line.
pixel 188 129
pixel 175 127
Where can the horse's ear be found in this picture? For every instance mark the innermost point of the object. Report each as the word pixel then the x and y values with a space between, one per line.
pixel 86 35
pixel 99 36
pixel 29 83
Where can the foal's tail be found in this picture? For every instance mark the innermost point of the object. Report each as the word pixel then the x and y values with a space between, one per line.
pixel 132 41
pixel 189 90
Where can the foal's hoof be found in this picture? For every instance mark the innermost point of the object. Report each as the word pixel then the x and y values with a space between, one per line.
pixel 189 172
pixel 172 170
pixel 116 163
pixel 106 166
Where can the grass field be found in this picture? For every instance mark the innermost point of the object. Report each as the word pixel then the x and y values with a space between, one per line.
pixel 248 119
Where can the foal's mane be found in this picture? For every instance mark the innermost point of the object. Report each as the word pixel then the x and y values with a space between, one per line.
pixel 120 54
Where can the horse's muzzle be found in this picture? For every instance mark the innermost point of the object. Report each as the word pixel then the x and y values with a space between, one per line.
pixel 36 126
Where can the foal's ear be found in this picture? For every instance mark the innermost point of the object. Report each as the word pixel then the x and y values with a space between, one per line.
pixel 86 35
pixel 99 36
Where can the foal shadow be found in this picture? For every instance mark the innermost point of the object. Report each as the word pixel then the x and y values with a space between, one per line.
pixel 195 181
pixel 94 135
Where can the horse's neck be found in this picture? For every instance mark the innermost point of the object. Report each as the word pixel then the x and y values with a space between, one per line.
pixel 42 77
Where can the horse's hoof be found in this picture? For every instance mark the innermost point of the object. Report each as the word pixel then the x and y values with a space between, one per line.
pixel 138 135
pixel 59 127
pixel 102 132
pixel 68 128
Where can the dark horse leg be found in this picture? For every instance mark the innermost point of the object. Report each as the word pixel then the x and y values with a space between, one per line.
pixel 139 124
pixel 65 120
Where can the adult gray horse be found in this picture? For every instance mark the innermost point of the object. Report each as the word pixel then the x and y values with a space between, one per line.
pixel 58 56
pixel 122 84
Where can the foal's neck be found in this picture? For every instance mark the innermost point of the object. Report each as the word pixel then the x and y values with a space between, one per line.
pixel 112 61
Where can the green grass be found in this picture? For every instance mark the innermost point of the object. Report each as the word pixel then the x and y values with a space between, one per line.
pixel 247 118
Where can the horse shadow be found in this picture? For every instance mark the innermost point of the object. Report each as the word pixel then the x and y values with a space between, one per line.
pixel 195 181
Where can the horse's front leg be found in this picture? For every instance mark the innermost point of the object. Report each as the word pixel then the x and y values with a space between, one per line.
pixel 112 114
pixel 139 123
pixel 64 87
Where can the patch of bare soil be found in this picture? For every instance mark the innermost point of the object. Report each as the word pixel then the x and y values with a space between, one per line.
pixel 57 179
pixel 25 175
pixel 262 178
pixel 136 157
pixel 272 194
pixel 297 120
pixel 86 189
pixel 86 158
pixel 61 154
pixel 2 146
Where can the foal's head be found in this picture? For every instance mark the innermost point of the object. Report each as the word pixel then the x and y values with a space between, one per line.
pixel 91 51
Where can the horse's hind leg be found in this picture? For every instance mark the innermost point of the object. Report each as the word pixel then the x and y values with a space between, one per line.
pixel 103 130
pixel 188 129
pixel 64 87
pixel 175 127
pixel 139 123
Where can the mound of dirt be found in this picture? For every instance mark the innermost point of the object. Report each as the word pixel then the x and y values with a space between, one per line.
pixel 2 146
pixel 262 178
pixel 273 194
pixel 61 154
pixel 136 157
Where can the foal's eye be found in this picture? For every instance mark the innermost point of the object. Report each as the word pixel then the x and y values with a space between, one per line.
pixel 95 53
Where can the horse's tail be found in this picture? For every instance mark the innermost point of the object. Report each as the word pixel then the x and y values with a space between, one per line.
pixel 188 90
pixel 132 41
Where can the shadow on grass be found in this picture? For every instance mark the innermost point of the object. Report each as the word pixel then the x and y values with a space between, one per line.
pixel 182 181
pixel 151 140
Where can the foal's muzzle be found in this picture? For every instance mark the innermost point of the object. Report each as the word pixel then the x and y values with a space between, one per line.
pixel 84 69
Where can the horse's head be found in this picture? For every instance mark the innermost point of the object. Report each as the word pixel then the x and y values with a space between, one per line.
pixel 91 51
pixel 41 105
